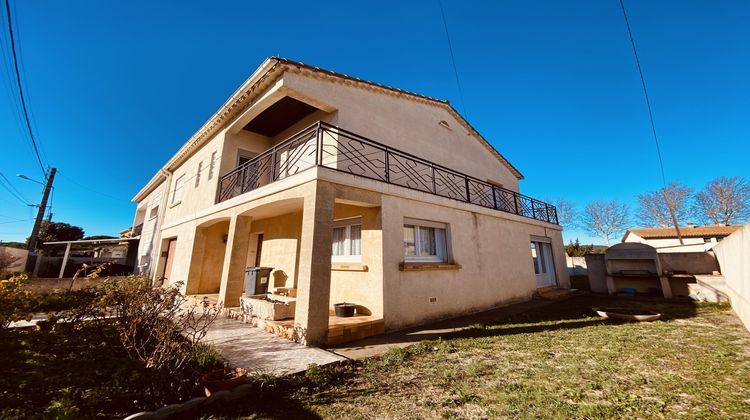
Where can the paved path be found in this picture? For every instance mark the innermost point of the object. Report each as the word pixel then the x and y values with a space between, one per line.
pixel 258 351
pixel 375 346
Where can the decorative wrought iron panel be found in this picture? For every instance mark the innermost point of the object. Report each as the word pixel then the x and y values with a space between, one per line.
pixel 292 157
pixel 480 194
pixel 257 172
pixel 347 153
pixel 410 173
pixel 450 184
pixel 506 200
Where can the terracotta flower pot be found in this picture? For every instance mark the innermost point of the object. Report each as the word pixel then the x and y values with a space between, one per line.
pixel 223 379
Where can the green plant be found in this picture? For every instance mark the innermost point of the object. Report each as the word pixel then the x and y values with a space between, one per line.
pixel 16 302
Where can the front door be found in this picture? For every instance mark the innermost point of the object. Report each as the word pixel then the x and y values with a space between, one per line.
pixel 541 253
pixel 171 247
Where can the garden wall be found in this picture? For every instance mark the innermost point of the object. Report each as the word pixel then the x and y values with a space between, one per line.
pixel 733 254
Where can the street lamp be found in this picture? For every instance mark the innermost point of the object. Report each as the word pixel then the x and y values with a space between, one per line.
pixel 22 176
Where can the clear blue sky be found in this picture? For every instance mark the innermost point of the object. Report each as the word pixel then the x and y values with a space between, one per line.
pixel 117 87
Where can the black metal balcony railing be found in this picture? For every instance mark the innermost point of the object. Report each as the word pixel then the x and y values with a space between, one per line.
pixel 325 145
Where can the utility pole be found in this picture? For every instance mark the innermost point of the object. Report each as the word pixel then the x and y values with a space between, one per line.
pixel 34 238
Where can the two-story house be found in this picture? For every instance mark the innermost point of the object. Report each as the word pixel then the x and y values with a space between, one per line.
pixel 353 192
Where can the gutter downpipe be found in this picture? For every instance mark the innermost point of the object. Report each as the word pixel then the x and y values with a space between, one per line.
pixel 162 212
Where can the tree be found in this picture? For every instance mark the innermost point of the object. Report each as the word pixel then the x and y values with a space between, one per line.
pixel 567 214
pixel 653 210
pixel 575 249
pixel 724 200
pixel 58 231
pixel 605 219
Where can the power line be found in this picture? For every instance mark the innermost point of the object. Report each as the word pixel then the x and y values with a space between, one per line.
pixel 9 187
pixel 18 193
pixel 453 61
pixel 91 189
pixel 645 93
pixel 20 87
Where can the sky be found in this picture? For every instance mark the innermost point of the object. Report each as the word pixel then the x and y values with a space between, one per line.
pixel 116 87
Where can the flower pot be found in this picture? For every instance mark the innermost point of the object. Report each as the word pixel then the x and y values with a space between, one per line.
pixel 223 379
pixel 344 310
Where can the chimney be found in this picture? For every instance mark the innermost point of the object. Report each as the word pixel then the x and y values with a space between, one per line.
pixel 690 225
pixel 722 224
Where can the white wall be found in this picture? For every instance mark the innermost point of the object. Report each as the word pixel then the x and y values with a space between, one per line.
pixel 733 254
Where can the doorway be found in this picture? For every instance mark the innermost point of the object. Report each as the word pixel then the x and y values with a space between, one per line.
pixel 544 267
pixel 171 248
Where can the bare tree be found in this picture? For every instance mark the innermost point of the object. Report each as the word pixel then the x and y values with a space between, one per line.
pixel 567 214
pixel 724 200
pixel 605 219
pixel 653 210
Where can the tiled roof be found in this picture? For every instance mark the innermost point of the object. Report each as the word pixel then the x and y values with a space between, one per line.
pixel 686 231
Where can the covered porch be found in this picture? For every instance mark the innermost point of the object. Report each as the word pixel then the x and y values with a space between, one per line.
pixel 324 244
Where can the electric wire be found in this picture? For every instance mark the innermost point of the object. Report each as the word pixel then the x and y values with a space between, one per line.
pixel 10 188
pixel 453 61
pixel 645 93
pixel 20 88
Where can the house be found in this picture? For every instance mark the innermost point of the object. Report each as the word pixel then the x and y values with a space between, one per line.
pixel 353 192
pixel 694 238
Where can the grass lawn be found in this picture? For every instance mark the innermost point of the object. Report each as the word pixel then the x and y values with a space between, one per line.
pixel 555 362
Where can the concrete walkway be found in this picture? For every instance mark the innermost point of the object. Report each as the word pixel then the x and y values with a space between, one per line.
pixel 258 351
pixel 376 346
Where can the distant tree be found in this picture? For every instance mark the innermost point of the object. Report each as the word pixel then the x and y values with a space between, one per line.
pixel 567 214
pixel 653 210
pixel 59 231
pixel 724 200
pixel 94 237
pixel 575 249
pixel 605 219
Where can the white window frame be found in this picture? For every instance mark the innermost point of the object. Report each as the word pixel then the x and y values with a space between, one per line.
pixel 347 225
pixel 179 186
pixel 417 224
pixel 154 205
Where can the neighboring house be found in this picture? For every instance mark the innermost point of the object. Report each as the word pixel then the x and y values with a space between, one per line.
pixel 694 238
pixel 353 192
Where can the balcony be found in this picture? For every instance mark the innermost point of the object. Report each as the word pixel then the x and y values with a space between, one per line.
pixel 331 147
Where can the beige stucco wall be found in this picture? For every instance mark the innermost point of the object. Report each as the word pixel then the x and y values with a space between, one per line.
pixel 365 288
pixel 733 254
pixel 280 250
pixel 148 244
pixel 496 264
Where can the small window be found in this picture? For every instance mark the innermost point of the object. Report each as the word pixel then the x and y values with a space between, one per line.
pixel 244 156
pixel 425 243
pixel 347 240
pixel 707 240
pixel 198 174
pixel 178 187
pixel 212 166
pixel 154 212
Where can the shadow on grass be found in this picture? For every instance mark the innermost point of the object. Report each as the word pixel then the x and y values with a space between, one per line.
pixel 531 317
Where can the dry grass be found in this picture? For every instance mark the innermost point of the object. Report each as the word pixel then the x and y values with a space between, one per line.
pixel 555 362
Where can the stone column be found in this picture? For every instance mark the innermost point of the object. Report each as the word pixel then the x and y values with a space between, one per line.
pixel 314 276
pixel 235 257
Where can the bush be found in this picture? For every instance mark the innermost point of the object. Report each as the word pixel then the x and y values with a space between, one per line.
pixel 16 303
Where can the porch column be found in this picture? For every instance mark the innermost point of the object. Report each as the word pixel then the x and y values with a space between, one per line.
pixel 314 275
pixel 233 270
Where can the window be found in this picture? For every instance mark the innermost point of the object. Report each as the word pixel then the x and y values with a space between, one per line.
pixel 347 240
pixel 707 240
pixel 212 165
pixel 425 242
pixel 198 174
pixel 154 207
pixel 243 156
pixel 178 187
